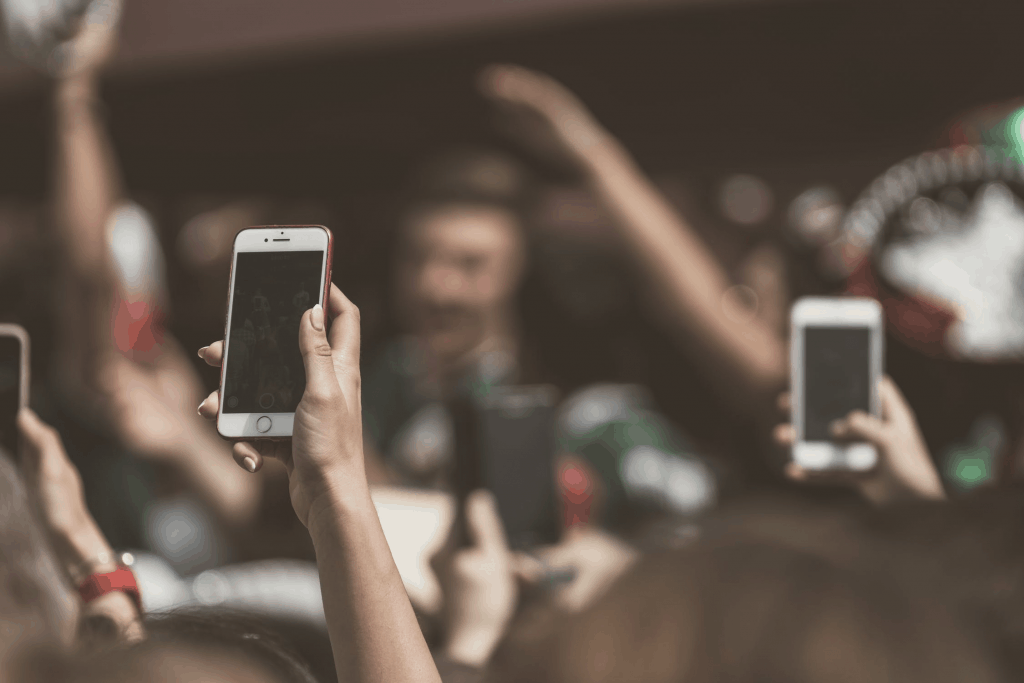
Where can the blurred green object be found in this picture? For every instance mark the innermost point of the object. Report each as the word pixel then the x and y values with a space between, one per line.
pixel 967 466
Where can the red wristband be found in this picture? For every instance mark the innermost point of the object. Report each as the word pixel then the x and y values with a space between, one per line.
pixel 121 579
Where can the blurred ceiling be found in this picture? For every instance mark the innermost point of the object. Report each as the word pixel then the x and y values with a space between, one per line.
pixel 161 33
pixel 833 90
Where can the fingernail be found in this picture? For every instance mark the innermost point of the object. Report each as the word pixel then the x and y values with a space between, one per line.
pixel 202 352
pixel 317 317
pixel 249 463
pixel 200 408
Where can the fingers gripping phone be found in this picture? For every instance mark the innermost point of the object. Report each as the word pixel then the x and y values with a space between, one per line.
pixel 835 365
pixel 278 272
pixel 13 384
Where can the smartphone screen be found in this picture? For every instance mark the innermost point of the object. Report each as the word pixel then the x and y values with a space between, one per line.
pixel 10 392
pixel 264 371
pixel 836 377
pixel 506 444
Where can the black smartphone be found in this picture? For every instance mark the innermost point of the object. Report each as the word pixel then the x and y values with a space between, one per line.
pixel 13 384
pixel 505 442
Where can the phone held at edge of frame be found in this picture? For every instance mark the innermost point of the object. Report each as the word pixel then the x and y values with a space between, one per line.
pixel 14 381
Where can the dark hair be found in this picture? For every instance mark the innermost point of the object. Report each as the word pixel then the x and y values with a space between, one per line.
pixel 233 633
pixel 185 645
pixel 472 176
pixel 750 611
pixel 968 552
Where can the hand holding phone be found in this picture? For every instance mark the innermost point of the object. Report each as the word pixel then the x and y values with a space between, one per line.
pixel 905 470
pixel 324 457
pixel 835 365
pixel 277 274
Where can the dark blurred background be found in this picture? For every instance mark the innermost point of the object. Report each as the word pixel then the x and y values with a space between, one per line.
pixel 327 107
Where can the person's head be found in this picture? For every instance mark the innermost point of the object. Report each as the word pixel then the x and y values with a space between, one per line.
pixel 748 612
pixel 36 604
pixel 147 662
pixel 180 647
pixel 462 252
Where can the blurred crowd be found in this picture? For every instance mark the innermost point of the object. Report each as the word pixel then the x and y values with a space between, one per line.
pixel 137 544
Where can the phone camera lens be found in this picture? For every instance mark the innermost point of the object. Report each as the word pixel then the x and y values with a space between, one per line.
pixel 264 239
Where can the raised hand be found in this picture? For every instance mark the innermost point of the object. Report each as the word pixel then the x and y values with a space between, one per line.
pixel 542 111
pixel 153 407
pixel 326 445
pixel 480 589
pixel 904 470
pixel 55 487
pixel 93 44
pixel 596 557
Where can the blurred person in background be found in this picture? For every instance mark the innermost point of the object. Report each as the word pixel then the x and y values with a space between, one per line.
pixel 114 364
pixel 771 591
pixel 49 545
pixel 745 355
pixel 466 248
pixel 461 256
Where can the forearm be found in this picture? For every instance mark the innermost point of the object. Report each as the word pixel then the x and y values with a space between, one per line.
pixel 210 471
pixel 86 550
pixel 373 630
pixel 86 182
pixel 683 271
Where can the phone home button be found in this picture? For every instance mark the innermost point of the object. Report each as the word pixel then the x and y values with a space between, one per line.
pixel 263 425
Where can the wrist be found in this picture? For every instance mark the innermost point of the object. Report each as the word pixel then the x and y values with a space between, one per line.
pixel 81 545
pixel 338 500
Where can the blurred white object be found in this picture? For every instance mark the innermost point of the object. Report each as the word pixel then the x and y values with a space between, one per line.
pixel 137 255
pixel 416 525
pixel 160 587
pixel 745 199
pixel 683 485
pixel 286 589
pixel 815 215
pixel 974 269
pixel 43 32
pixel 181 531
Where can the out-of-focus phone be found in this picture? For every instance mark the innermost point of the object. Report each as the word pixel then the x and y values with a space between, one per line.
pixel 835 364
pixel 278 272
pixel 14 381
pixel 505 442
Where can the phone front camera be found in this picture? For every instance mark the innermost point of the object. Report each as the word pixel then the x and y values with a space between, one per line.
pixel 265 239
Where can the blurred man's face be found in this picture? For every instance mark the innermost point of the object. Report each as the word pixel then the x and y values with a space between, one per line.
pixel 459 266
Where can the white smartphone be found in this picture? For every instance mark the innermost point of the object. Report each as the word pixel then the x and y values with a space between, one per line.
pixel 835 365
pixel 13 384
pixel 278 272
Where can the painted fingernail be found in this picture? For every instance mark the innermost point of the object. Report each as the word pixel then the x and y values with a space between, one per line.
pixel 202 352
pixel 200 408
pixel 317 317
pixel 250 464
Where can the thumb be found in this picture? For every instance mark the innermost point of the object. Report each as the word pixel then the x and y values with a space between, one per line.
pixel 321 382
pixel 38 438
pixel 483 522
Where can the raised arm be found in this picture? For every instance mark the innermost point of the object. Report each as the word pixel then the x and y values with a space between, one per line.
pixel 746 355
pixel 374 633
pixel 80 547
